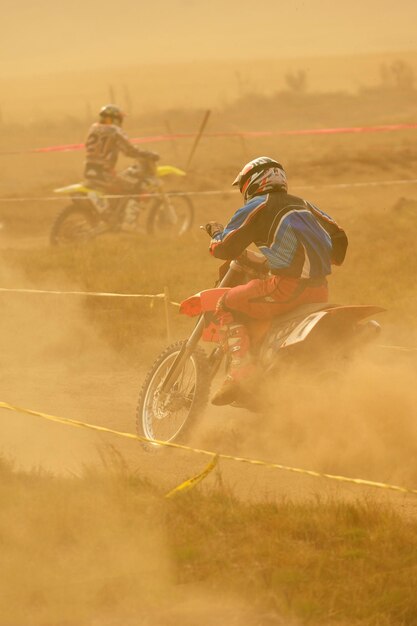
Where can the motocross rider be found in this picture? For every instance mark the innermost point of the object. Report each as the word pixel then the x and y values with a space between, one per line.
pixel 104 142
pixel 298 244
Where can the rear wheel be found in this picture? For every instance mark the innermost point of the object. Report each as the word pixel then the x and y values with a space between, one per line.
pixel 74 224
pixel 173 215
pixel 165 416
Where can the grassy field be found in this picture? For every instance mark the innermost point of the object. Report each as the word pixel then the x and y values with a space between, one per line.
pixel 379 269
pixel 106 548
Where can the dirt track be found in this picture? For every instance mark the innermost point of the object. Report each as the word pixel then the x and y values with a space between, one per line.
pixel 98 388
pixel 106 548
pixel 108 398
pixel 53 361
pixel 8 242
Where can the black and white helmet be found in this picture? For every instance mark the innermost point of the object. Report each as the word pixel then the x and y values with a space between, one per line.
pixel 259 176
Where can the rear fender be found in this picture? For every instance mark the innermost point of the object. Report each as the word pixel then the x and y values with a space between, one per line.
pixel 345 315
pixel 77 189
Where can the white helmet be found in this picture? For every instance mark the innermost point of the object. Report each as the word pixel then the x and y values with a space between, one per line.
pixel 259 176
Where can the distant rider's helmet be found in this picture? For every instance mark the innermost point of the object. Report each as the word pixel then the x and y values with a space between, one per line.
pixel 112 112
pixel 260 176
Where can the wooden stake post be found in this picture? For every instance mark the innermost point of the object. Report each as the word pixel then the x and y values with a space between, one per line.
pixel 167 301
pixel 198 137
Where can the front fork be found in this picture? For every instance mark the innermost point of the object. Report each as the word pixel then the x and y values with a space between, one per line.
pixel 190 345
pixel 186 350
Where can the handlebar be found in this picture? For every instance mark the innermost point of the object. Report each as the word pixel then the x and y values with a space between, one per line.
pixel 244 260
pixel 206 229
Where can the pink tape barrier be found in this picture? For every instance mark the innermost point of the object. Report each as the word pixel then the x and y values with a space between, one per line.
pixel 263 133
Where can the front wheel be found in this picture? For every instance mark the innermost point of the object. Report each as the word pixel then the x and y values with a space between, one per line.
pixel 164 416
pixel 171 215
pixel 74 224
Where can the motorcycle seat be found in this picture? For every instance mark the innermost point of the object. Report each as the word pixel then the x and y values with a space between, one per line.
pixel 302 311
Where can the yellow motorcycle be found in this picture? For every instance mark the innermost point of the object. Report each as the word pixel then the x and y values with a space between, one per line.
pixel 143 207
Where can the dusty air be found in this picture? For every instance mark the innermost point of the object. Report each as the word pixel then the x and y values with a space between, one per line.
pixel 208 351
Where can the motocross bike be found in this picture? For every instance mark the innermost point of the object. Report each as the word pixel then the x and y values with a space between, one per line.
pixel 91 213
pixel 314 338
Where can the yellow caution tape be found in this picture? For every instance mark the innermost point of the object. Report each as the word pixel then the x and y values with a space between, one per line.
pixel 192 482
pixel 97 294
pixel 100 294
pixel 221 192
pixel 398 348
pixel 226 457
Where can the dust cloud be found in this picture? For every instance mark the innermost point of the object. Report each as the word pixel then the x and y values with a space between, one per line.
pixel 363 423
pixel 358 422
pixel 90 549
pixel 77 35
pixel 52 360
pixel 95 551
pixel 66 61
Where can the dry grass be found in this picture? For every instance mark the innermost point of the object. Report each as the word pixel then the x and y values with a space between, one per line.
pixel 106 548
pixel 379 268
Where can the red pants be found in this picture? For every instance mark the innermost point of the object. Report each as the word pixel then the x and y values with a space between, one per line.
pixel 260 300
pixel 264 299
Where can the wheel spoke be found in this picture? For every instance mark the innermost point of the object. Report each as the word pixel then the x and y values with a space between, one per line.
pixel 76 225
pixel 165 415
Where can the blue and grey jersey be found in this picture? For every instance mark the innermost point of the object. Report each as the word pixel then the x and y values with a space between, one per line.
pixel 297 238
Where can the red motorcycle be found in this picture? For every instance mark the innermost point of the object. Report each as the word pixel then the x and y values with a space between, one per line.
pixel 314 338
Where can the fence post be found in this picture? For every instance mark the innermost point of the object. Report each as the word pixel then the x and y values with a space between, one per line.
pixel 198 137
pixel 167 301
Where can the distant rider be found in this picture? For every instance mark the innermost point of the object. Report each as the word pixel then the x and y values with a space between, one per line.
pixel 298 243
pixel 105 141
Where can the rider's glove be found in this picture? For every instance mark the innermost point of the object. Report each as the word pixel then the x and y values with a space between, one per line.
pixel 255 261
pixel 148 154
pixel 213 228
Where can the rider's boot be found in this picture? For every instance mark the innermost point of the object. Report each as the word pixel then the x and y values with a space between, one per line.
pixel 242 369
pixel 130 215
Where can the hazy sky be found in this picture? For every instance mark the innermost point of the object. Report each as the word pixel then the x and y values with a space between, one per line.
pixel 49 35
